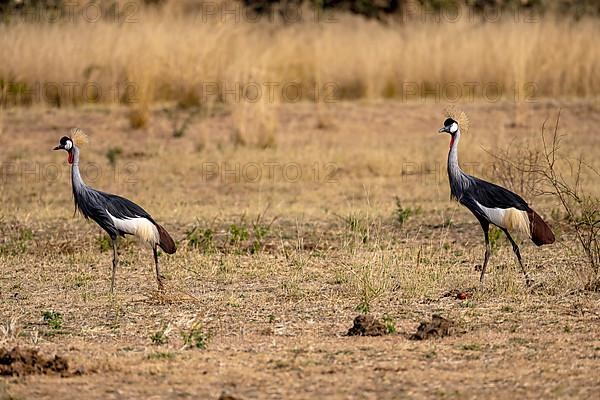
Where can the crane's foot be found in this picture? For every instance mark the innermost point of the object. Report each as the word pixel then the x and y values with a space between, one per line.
pixel 160 280
pixel 482 279
pixel 529 282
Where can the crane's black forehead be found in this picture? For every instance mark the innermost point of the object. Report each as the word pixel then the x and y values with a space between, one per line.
pixel 64 139
pixel 449 122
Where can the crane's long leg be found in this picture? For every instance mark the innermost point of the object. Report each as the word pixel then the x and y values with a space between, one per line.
pixel 159 277
pixel 115 263
pixel 486 227
pixel 518 254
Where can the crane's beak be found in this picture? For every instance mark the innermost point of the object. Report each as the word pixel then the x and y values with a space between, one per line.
pixel 444 129
pixel 57 148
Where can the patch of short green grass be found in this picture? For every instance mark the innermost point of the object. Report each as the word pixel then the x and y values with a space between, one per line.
pixel 161 355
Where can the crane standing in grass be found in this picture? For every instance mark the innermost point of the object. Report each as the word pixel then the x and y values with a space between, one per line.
pixel 116 215
pixel 490 203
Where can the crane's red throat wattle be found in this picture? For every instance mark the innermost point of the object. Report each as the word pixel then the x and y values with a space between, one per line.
pixel 70 155
pixel 451 141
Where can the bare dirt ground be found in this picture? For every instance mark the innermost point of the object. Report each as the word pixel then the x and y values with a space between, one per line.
pixel 271 272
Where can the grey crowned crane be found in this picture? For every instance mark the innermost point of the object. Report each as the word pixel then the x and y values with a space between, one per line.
pixel 490 203
pixel 116 215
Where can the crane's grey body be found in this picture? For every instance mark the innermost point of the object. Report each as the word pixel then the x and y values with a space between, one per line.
pixel 485 200
pixel 117 215
pixel 110 211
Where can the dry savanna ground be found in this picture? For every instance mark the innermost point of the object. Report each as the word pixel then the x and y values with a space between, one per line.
pixel 270 272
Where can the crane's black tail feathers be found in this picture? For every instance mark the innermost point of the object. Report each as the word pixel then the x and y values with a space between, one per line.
pixel 166 241
pixel 540 231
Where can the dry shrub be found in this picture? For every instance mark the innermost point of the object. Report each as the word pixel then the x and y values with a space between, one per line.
pixel 548 172
pixel 511 167
pixel 582 209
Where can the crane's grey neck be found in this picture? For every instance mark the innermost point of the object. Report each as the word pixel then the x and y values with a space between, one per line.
pixel 76 179
pixel 459 181
pixel 453 166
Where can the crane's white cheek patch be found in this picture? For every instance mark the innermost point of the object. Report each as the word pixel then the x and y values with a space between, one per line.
pixel 138 226
pixel 68 145
pixel 454 127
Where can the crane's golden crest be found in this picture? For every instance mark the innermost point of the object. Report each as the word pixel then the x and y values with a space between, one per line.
pixel 79 137
pixel 459 116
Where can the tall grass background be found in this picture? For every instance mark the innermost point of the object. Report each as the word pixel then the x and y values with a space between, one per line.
pixel 169 55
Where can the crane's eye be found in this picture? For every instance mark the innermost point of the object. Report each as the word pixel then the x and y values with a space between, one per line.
pixel 68 145
pixel 453 127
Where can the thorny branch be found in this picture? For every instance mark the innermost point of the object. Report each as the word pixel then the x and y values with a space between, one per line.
pixel 545 177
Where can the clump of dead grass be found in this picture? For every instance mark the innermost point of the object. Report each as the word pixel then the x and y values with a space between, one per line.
pixel 255 125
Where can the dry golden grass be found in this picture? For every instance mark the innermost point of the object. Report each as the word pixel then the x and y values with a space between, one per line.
pixel 169 56
pixel 277 317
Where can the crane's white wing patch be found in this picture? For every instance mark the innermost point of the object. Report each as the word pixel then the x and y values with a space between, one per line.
pixel 508 218
pixel 495 215
pixel 138 226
